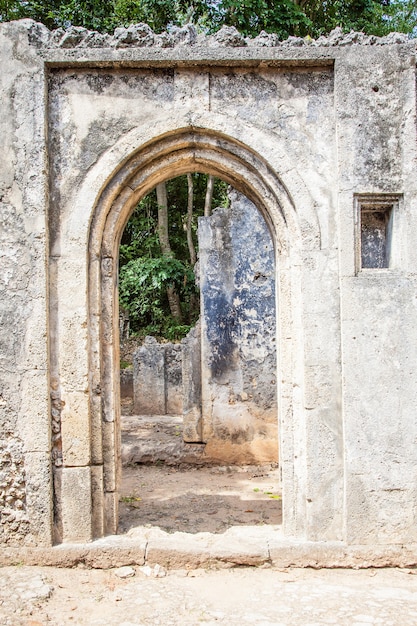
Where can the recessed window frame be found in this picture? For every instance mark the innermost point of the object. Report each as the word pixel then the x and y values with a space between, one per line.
pixel 389 204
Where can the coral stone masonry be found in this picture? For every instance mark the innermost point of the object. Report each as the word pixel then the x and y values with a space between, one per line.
pixel 321 137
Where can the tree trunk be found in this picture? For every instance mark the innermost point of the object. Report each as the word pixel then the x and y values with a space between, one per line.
pixel 194 302
pixel 174 304
pixel 209 196
pixel 191 248
pixel 161 196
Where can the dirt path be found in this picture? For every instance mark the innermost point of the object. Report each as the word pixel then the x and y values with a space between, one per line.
pixel 34 596
pixel 167 483
pixel 194 499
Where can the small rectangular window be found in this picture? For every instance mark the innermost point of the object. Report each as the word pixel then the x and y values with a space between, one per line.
pixel 375 237
pixel 375 216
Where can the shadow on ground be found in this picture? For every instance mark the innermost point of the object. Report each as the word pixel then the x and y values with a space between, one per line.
pixel 166 484
pixel 199 499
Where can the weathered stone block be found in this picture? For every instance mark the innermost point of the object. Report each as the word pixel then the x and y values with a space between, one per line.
pixel 238 332
pixel 96 426
pixel 173 379
pixel 76 506
pixel 75 429
pixel 97 500
pixel 111 451
pixel 191 385
pixel 111 512
pixel 126 383
pixel 34 421
pixel 149 378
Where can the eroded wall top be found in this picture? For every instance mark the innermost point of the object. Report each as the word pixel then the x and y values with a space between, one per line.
pixel 227 45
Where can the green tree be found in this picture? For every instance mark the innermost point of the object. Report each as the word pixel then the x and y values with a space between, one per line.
pixel 157 256
pixel 143 284
pixel 44 12
pixel 105 16
pixel 285 17
pixel 376 17
pixel 400 16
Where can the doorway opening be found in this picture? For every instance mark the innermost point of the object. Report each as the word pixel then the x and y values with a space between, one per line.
pixel 197 327
pixel 171 154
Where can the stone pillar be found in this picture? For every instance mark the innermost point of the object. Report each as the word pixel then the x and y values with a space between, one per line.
pixel 149 378
pixel 238 339
pixel 191 385
pixel 173 379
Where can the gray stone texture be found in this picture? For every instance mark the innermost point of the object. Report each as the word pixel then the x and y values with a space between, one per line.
pixel 173 379
pixel 238 342
pixel 90 124
pixel 149 378
pixel 191 385
pixel 157 378
pixel 126 383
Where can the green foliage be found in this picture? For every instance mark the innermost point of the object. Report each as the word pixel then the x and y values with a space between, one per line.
pixel 98 15
pixel 360 15
pixel 90 14
pixel 140 237
pixel 105 16
pixel 145 274
pixel 39 11
pixel 400 16
pixel 142 291
pixel 285 17
pixel 374 17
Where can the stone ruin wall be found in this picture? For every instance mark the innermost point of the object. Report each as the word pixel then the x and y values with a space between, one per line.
pixel 316 134
pixel 157 378
pixel 229 360
pixel 238 335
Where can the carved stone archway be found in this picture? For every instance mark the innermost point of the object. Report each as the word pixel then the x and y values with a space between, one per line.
pixel 90 125
pixel 185 150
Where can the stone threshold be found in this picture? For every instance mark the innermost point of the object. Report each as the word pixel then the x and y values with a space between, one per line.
pixel 247 546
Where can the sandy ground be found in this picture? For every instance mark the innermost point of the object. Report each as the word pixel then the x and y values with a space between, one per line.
pixel 34 596
pixel 166 484
pixel 195 499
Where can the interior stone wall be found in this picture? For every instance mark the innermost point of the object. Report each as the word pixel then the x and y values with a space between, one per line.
pixel 157 378
pixel 307 131
pixel 238 319
pixel 235 403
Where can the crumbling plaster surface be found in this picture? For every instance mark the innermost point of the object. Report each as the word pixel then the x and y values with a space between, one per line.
pixel 238 338
pixel 300 129
pixel 24 388
pixel 378 307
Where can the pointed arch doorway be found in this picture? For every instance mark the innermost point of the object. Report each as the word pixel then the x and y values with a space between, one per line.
pixel 184 151
pixel 96 468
